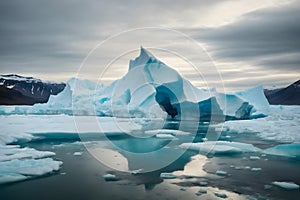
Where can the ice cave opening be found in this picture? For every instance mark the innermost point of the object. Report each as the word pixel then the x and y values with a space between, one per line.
pixel 165 97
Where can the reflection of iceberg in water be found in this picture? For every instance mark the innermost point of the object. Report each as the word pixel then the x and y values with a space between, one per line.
pixel 148 154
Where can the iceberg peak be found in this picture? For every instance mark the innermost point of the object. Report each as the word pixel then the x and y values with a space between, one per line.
pixel 142 59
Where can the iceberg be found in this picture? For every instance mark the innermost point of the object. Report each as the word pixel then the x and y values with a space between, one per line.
pixel 150 89
pixel 256 97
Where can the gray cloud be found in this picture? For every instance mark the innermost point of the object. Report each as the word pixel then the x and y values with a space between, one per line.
pixel 51 38
pixel 267 37
pixel 41 36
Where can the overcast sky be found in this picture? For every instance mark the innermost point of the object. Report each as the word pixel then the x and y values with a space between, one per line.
pixel 250 42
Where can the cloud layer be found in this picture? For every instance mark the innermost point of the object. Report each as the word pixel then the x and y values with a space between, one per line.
pixel 50 39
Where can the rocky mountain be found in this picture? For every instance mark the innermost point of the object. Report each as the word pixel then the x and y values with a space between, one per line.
pixel 20 90
pixel 289 95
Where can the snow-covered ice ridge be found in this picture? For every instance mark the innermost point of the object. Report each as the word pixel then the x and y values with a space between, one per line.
pixel 149 89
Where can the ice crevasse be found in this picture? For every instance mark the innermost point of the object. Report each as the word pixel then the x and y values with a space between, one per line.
pixel 150 89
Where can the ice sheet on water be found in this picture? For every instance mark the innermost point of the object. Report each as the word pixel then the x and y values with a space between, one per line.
pixel 30 167
pixel 16 170
pixel 166 175
pixel 8 153
pixel 287 150
pixel 220 147
pixel 78 153
pixel 24 128
pixel 282 124
pixel 286 185
pixel 7 177
pixel 166 131
pixel 18 163
pixel 110 177
pixel 165 136
pixel 16 127
pixel 221 173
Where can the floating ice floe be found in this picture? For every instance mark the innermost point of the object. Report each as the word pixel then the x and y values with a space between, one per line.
pixel 254 158
pixel 16 170
pixel 166 175
pixel 221 173
pixel 201 191
pixel 77 153
pixel 220 147
pixel 165 136
pixel 21 127
pixel 286 185
pixel 13 152
pixel 256 169
pixel 167 131
pixel 110 177
pixel 203 183
pixel 221 195
pixel 282 124
pixel 287 150
pixel 137 171
pixel 7 177
pixel 18 163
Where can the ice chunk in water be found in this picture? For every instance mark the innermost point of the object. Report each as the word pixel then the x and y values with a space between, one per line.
pixel 166 175
pixel 77 153
pixel 110 177
pixel 288 150
pixel 221 173
pixel 286 185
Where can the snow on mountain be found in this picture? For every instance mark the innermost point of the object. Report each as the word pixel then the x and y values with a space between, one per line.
pixel 289 95
pixel 20 90
pixel 150 89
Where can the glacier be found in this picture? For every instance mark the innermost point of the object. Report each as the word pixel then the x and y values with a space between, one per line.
pixel 150 89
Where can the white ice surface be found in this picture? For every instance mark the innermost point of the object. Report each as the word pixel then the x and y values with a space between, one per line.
pixel 165 136
pixel 220 147
pixel 287 150
pixel 282 124
pixel 286 185
pixel 23 126
pixel 166 131
pixel 12 152
pixel 18 163
pixel 30 167
pixel 167 175
pixel 110 177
